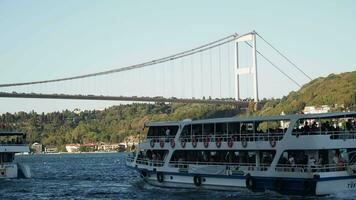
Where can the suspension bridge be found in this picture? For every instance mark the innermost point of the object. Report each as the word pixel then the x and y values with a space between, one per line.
pixel 210 73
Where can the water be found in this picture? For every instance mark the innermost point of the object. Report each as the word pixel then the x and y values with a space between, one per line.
pixel 105 176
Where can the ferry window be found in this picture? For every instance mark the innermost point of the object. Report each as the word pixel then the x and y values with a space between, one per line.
pixel 159 131
pixel 234 128
pixel 221 128
pixel 335 125
pixel 266 157
pixel 6 157
pixel 208 129
pixel 247 127
pixel 187 131
pixel 251 157
pixel 197 129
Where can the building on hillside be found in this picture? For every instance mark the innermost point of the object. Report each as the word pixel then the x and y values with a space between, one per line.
pixel 107 147
pixel 72 148
pixel 51 150
pixel 316 109
pixel 122 147
pixel 36 147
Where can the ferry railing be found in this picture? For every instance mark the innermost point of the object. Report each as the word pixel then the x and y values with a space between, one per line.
pixel 301 168
pixel 154 163
pixel 232 166
pixel 157 139
pixel 234 137
pixel 334 135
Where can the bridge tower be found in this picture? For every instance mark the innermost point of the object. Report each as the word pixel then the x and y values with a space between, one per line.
pixel 249 70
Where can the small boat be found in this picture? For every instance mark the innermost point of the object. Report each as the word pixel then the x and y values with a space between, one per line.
pixel 11 143
pixel 303 154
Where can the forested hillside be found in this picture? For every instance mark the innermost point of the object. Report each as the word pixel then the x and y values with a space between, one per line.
pixel 335 90
pixel 111 125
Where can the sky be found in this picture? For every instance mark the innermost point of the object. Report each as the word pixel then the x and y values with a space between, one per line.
pixel 53 39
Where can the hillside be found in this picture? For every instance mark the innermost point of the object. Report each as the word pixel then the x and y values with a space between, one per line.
pixel 335 90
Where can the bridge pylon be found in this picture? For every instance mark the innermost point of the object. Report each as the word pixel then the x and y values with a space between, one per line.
pixel 249 70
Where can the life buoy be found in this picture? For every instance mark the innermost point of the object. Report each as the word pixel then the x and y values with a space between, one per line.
pixel 194 142
pixel 250 183
pixel 230 142
pixel 161 143
pixel 218 142
pixel 244 142
pixel 173 143
pixel 197 180
pixel 183 142
pixel 206 142
pixel 272 142
pixel 160 177
pixel 152 143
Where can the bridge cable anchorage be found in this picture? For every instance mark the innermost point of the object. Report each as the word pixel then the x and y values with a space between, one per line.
pixel 285 57
pixel 193 51
pixel 275 66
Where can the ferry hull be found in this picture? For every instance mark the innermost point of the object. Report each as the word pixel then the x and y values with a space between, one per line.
pixel 8 171
pixel 289 186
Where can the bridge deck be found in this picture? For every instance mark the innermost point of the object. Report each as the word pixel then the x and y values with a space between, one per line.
pixel 241 104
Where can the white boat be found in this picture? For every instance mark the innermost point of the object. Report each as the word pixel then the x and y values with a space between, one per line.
pixel 12 143
pixel 312 154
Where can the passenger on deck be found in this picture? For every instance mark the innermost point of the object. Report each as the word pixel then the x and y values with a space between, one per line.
pixel 291 161
pixel 311 164
pixel 168 132
pixel 349 125
pixel 314 127
pixel 306 128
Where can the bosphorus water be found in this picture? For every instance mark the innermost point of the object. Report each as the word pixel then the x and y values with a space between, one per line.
pixel 105 176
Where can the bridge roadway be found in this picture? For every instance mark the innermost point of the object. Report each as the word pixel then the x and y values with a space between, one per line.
pixel 240 104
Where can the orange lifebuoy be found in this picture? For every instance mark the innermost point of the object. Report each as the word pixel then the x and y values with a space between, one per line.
pixel 152 143
pixel 244 142
pixel 194 142
pixel 183 142
pixel 218 142
pixel 173 143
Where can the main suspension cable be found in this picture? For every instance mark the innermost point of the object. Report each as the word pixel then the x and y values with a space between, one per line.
pixel 193 51
pixel 285 57
pixel 275 66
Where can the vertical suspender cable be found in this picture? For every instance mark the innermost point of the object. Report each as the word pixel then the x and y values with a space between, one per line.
pixel 220 70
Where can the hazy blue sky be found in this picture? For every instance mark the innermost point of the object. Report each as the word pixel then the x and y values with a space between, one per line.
pixel 52 39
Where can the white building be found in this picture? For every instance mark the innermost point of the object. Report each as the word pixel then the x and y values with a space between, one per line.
pixel 316 109
pixel 71 148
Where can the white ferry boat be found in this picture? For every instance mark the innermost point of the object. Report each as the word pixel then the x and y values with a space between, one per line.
pixel 312 154
pixel 12 142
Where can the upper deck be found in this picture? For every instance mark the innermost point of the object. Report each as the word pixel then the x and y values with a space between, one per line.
pixel 322 127
pixel 13 141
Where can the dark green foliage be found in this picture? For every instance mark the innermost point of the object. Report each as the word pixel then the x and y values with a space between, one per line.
pixel 335 90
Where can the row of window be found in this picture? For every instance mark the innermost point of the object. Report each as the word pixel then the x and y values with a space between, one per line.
pixel 303 126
